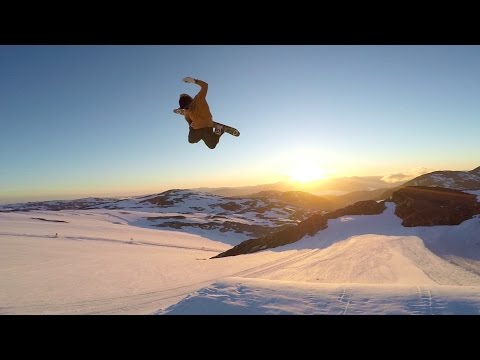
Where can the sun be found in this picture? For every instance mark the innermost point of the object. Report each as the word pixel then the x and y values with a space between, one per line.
pixel 305 171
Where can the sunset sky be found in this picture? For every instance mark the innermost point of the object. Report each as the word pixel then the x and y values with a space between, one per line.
pixel 97 120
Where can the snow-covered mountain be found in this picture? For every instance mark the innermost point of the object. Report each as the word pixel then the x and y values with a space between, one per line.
pixel 415 206
pixel 459 180
pixel 191 211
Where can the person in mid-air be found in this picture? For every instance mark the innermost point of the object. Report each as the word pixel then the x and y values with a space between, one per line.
pixel 197 113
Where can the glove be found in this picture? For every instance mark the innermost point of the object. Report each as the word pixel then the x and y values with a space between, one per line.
pixel 189 79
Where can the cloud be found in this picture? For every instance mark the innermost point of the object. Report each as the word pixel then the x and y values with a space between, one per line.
pixel 406 175
pixel 391 178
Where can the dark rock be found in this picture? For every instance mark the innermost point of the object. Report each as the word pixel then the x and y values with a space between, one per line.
pixel 160 200
pixel 230 206
pixel 59 221
pixel 251 230
pixel 428 206
pixel 367 207
pixel 309 226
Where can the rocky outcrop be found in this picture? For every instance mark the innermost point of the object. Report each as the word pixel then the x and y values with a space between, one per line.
pixel 369 207
pixel 225 226
pixel 415 205
pixel 162 200
pixel 309 226
pixel 429 206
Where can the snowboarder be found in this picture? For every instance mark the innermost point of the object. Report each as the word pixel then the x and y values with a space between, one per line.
pixel 197 113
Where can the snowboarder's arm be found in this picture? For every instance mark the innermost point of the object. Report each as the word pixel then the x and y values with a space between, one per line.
pixel 204 88
pixel 201 83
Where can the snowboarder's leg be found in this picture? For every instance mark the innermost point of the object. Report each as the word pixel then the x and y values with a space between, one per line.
pixel 195 135
pixel 210 138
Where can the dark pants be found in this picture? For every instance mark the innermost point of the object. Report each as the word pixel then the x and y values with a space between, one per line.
pixel 206 134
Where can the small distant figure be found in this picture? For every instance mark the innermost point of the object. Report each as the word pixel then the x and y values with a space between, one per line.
pixel 56 235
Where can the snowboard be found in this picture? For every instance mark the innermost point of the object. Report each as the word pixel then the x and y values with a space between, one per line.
pixel 217 127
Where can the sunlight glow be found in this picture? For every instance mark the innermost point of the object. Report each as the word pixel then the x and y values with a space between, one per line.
pixel 305 171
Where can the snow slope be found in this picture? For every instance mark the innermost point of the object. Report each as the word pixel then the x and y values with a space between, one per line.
pixel 381 266
pixel 93 267
pixel 360 240
pixel 98 263
pixel 241 296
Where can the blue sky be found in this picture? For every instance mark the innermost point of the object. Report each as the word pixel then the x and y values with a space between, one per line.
pixel 98 120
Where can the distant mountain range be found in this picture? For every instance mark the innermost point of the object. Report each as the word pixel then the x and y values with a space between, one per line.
pixel 298 198
pixel 334 186
pixel 350 189
pixel 262 212
pixel 457 180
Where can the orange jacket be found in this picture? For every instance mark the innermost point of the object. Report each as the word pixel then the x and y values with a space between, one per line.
pixel 198 114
